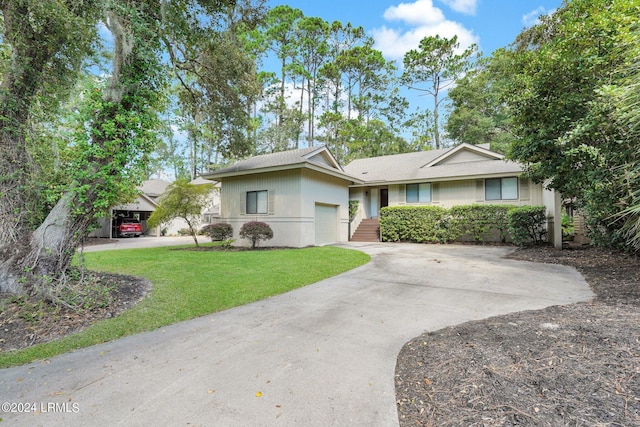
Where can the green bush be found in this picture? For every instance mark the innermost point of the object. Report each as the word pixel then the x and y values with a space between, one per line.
pixel 413 224
pixel 218 232
pixel 256 231
pixel 435 224
pixel 353 209
pixel 527 225
pixel 480 221
pixel 568 228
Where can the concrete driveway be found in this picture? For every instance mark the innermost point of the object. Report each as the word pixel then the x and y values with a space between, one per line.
pixel 323 355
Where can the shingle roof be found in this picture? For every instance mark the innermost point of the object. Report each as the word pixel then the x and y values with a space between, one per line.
pixel 154 187
pixel 422 165
pixel 412 166
pixel 282 158
pixel 303 157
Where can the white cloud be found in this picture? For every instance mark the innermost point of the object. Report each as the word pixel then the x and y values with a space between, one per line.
pixel 468 7
pixel 533 17
pixel 422 19
pixel 422 12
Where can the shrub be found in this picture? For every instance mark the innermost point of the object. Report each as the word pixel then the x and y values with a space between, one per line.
pixel 479 221
pixel 568 228
pixel 439 225
pixel 413 224
pixel 353 208
pixel 218 232
pixel 527 224
pixel 256 231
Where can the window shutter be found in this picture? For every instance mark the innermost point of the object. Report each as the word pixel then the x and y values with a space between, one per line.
pixel 435 193
pixel 524 189
pixel 402 194
pixel 271 197
pixel 479 190
pixel 243 203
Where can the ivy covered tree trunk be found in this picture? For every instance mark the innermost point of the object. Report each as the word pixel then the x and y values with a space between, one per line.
pixel 46 50
pixel 114 127
pixel 113 136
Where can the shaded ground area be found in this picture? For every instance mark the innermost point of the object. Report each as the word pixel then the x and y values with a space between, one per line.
pixel 575 365
pixel 25 320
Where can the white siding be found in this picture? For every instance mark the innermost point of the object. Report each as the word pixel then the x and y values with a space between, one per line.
pixel 468 192
pixel 293 196
pixel 322 159
pixel 463 156
pixel 283 209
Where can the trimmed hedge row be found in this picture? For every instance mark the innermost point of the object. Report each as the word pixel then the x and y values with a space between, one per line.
pixel 481 223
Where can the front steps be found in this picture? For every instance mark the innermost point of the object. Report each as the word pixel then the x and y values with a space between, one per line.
pixel 367 231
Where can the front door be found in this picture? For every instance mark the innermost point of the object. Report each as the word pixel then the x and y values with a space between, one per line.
pixel 384 198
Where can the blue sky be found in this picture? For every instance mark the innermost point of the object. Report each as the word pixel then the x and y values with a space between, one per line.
pixel 398 26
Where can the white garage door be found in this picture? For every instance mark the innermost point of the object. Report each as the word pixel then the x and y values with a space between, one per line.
pixel 326 224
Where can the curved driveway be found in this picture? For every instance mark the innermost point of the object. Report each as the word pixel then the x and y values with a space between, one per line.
pixel 323 355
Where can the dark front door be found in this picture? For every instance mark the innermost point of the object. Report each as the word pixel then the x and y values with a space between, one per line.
pixel 384 197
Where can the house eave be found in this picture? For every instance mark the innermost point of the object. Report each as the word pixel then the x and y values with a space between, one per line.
pixel 300 165
pixel 436 179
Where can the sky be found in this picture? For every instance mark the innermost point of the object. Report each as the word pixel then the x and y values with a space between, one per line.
pixel 399 26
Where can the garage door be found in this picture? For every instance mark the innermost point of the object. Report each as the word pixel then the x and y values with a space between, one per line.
pixel 326 224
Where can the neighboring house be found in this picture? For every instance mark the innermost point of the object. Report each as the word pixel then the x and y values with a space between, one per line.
pixel 146 203
pixel 302 192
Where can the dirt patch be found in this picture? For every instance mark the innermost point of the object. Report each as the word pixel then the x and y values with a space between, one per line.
pixel 574 365
pixel 26 320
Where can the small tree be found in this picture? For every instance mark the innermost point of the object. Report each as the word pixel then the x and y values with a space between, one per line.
pixel 220 232
pixel 182 200
pixel 256 231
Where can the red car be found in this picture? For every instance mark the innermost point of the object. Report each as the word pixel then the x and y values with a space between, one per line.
pixel 127 227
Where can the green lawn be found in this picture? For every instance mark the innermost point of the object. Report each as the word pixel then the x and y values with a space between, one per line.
pixel 188 284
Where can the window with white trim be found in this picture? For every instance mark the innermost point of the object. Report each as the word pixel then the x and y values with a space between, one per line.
pixel 501 188
pixel 256 202
pixel 418 193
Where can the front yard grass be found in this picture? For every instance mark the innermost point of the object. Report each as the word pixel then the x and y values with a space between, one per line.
pixel 188 284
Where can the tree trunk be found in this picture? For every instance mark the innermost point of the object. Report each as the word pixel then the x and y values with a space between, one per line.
pixel 36 261
pixel 32 51
pixel 436 115
pixel 46 254
pixel 18 88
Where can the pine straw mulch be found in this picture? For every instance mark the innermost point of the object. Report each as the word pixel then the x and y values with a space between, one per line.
pixel 91 296
pixel 574 365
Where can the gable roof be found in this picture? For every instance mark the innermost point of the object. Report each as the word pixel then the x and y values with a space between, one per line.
pixel 475 150
pixel 462 161
pixel 154 187
pixel 315 158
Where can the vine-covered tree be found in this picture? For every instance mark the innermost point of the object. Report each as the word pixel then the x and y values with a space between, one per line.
pixel 48 40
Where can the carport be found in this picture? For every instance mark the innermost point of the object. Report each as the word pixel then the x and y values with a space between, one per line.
pixel 141 209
